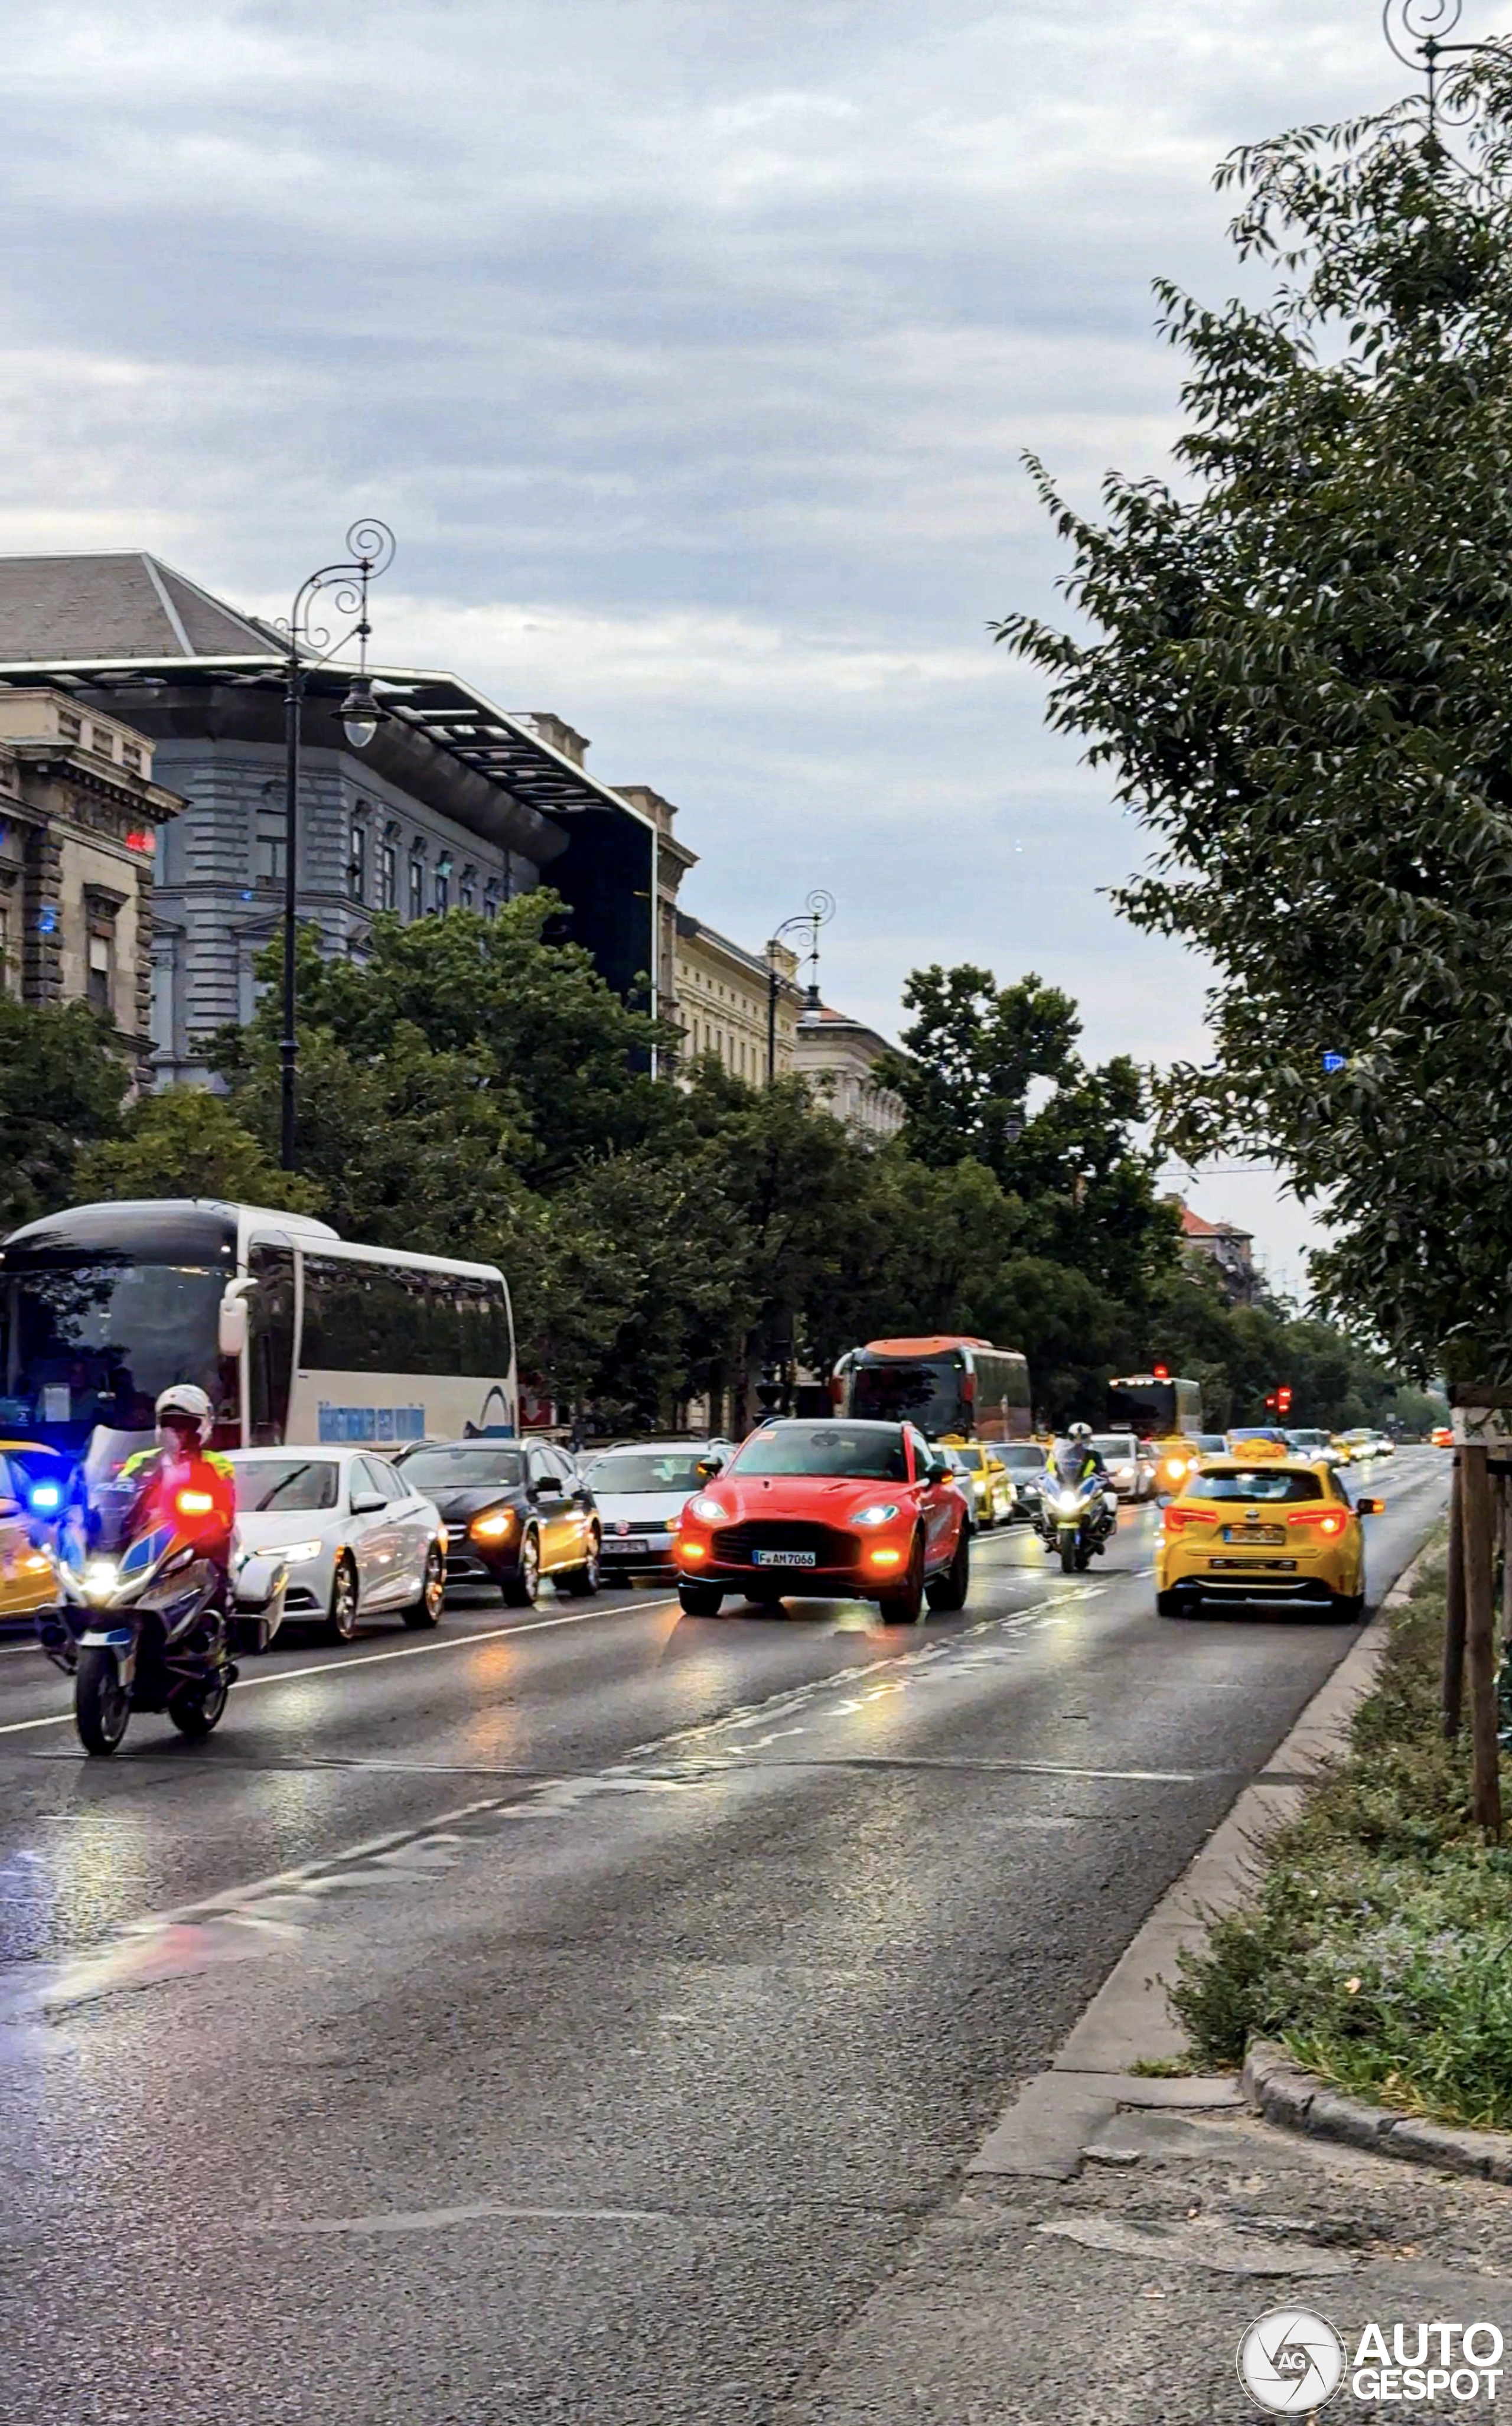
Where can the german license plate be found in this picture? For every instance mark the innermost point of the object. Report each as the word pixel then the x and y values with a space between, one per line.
pixel 785 1558
pixel 627 1546
pixel 1257 1537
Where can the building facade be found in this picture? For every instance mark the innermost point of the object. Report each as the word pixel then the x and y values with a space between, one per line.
pixel 1223 1248
pixel 455 804
pixel 80 818
pixel 724 997
pixel 839 1055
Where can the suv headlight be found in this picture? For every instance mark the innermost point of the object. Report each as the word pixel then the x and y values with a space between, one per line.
pixel 882 1512
pixel 707 1510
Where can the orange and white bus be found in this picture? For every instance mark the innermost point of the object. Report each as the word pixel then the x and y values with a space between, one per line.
pixel 949 1384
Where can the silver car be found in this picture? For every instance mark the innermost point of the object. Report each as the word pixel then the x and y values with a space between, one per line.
pixel 1130 1475
pixel 358 1542
pixel 642 1488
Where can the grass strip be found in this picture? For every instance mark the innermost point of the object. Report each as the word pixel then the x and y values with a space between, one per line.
pixel 1379 1944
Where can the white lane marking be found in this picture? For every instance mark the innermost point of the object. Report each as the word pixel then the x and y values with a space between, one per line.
pixel 435 2218
pixel 369 1658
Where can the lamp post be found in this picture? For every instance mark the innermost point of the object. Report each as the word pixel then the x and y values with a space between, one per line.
pixel 1415 33
pixel 370 551
pixel 816 913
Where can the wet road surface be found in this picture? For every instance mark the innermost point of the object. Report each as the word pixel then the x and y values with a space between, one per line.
pixel 573 2015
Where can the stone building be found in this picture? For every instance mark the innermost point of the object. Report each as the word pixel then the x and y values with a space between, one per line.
pixel 723 993
pixel 455 803
pixel 838 1056
pixel 1225 1250
pixel 80 816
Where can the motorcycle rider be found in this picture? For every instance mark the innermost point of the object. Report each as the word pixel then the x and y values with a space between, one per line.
pixel 183 1462
pixel 1075 1458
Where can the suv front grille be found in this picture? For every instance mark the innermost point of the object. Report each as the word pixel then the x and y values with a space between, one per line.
pixel 734 1546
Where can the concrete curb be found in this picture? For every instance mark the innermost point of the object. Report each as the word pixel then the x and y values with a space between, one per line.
pixel 1282 2092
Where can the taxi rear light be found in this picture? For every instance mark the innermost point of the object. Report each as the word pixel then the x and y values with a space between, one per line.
pixel 1328 1520
pixel 1175 1519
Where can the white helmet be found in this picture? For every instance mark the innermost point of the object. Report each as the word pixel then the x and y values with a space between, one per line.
pixel 186 1401
pixel 1079 1431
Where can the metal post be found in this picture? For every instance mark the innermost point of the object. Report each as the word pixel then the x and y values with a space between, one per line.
pixel 1454 1670
pixel 288 1043
pixel 1480 1641
pixel 771 1011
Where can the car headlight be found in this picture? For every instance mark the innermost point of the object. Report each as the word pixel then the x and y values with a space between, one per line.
pixel 495 1525
pixel 101 1577
pixel 292 1552
pixel 707 1510
pixel 1068 1504
pixel 882 1512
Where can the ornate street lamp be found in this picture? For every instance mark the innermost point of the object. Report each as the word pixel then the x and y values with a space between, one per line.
pixel 816 913
pixel 370 551
pixel 1416 32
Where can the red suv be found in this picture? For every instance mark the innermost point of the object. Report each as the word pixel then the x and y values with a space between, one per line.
pixel 838 1511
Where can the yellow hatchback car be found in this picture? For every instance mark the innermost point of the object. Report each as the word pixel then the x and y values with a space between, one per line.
pixel 1258 1528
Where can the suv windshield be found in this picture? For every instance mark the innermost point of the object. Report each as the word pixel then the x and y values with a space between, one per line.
pixel 1255 1482
pixel 463 1469
pixel 645 1469
pixel 872 1452
pixel 269 1486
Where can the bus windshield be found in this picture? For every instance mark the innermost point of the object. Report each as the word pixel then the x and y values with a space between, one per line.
pixel 927 1392
pixel 92 1342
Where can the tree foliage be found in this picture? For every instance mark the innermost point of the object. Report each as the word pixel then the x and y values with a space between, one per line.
pixel 1299 668
pixel 63 1075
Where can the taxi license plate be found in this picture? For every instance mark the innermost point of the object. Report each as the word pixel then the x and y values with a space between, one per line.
pixel 785 1558
pixel 1260 1537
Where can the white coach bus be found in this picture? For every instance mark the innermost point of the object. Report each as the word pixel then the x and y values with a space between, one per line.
pixel 297 1335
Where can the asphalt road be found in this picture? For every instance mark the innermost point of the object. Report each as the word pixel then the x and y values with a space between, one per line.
pixel 574 2015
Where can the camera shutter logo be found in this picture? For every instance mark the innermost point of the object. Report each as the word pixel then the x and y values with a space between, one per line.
pixel 1291 2361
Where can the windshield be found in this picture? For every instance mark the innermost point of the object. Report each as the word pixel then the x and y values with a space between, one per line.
pixel 927 1392
pixel 270 1486
pixel 670 1470
pixel 91 1343
pixel 1115 1444
pixel 1022 1461
pixel 1069 1460
pixel 872 1452
pixel 463 1469
pixel 1255 1482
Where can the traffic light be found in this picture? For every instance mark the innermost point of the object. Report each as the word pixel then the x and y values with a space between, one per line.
pixel 1270 1402
pixel 1162 1372
pixel 1284 1399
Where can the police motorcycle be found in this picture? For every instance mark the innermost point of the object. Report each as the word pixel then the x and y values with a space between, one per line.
pixel 1078 1511
pixel 145 1618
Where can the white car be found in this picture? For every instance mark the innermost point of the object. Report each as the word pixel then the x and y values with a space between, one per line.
pixel 357 1541
pixel 641 1488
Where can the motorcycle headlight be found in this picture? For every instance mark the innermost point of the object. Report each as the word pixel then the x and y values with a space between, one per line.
pixel 1068 1504
pixel 707 1510
pixel 100 1579
pixel 882 1512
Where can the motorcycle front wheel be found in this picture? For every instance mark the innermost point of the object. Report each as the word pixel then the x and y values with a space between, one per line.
pixel 197 1713
pixel 102 1705
pixel 1068 1553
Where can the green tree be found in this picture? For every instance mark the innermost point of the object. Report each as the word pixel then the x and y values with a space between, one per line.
pixel 63 1075
pixel 187 1141
pixel 1301 668
pixel 973 1051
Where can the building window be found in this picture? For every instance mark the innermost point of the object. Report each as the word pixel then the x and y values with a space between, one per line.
pixel 102 973
pixel 357 862
pixel 417 886
pixel 389 873
pixel 103 742
pixel 267 848
pixel 443 883
pixel 467 890
pixel 490 899
pixel 7 977
pixel 131 756
pixel 69 726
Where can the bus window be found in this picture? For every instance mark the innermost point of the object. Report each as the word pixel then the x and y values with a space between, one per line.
pixel 271 1348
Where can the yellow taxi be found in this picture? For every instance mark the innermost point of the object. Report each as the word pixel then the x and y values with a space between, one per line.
pixel 1263 1525
pixel 991 1484
pixel 33 1488
pixel 1177 1459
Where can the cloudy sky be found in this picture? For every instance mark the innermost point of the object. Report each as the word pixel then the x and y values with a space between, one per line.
pixel 691 350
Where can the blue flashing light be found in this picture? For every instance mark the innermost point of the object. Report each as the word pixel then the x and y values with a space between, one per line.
pixel 47 921
pixel 1332 1061
pixel 46 1498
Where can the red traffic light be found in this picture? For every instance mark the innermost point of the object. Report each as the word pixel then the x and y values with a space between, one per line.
pixel 1284 1399
pixel 1270 1400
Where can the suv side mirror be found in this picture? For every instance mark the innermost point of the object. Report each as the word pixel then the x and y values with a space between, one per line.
pixel 938 1470
pixel 232 1328
pixel 710 1467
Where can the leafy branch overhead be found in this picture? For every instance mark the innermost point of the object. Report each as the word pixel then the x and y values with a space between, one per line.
pixel 1299 668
